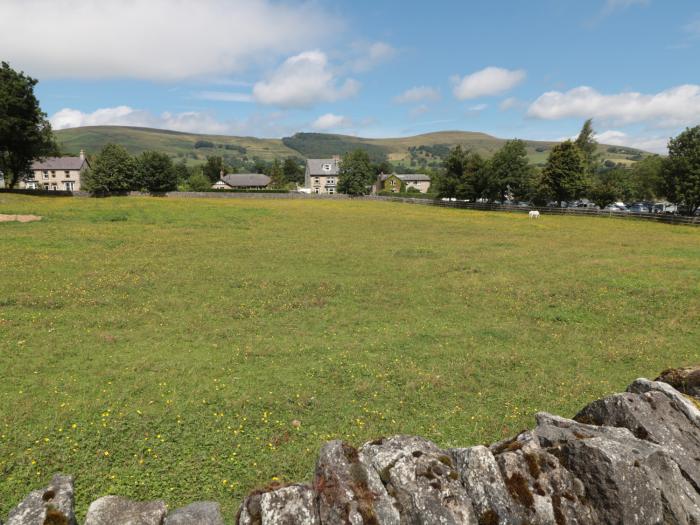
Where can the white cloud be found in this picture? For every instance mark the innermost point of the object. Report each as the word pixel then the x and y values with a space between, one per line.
pixel 510 103
pixel 418 111
pixel 677 106
pixel 618 5
pixel 477 108
pixel 225 96
pixel 487 82
pixel 331 121
pixel 302 81
pixel 620 138
pixel 155 39
pixel 693 27
pixel 417 94
pixel 268 125
pixel 371 55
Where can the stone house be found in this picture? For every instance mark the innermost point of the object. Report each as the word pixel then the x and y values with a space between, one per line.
pixel 321 175
pixel 242 181
pixel 396 183
pixel 56 173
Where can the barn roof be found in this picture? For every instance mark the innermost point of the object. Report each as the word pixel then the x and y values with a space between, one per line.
pixel 58 163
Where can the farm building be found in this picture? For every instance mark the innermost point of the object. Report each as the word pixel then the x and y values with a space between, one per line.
pixel 56 173
pixel 242 181
pixel 321 175
pixel 402 182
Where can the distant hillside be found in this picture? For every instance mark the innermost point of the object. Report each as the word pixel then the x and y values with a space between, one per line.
pixel 192 147
pixel 416 152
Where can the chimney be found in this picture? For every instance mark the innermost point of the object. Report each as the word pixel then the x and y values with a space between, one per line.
pixel 82 154
pixel 221 174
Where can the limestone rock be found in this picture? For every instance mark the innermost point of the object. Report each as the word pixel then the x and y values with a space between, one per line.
pixel 110 510
pixel 685 380
pixel 290 505
pixel 627 480
pixel 653 416
pixel 421 479
pixel 678 401
pixel 349 490
pixel 51 505
pixel 481 477
pixel 199 513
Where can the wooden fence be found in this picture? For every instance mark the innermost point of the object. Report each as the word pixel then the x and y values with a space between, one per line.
pixel 546 210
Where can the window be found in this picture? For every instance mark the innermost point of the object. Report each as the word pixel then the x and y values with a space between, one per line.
pixel 31 185
pixel 67 173
pixel 331 180
pixel 46 174
pixel 392 182
pixel 317 180
pixel 69 186
pixel 331 191
pixel 326 167
pixel 53 174
pixel 53 187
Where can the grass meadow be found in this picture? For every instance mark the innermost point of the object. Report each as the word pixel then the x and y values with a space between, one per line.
pixel 163 347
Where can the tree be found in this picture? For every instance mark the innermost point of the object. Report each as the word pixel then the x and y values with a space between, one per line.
pixel 181 172
pixel 276 174
pixel 681 171
pixel 465 176
pixel 356 173
pixel 198 182
pixel 113 170
pixel 213 167
pixel 383 166
pixel 510 170
pixel 155 172
pixel 292 171
pixel 609 187
pixel 588 146
pixel 25 134
pixel 646 178
pixel 564 175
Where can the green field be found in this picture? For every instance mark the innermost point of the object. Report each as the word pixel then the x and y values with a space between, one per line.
pixel 162 347
pixel 303 145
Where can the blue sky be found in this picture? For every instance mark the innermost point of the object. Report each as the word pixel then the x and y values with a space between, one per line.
pixel 376 68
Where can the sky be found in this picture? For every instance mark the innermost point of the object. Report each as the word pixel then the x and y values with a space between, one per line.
pixel 531 69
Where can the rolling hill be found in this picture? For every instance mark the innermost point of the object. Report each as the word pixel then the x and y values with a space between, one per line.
pixel 415 152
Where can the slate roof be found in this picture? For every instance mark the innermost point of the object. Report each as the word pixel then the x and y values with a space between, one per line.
pixel 58 163
pixel 246 180
pixel 408 177
pixel 316 167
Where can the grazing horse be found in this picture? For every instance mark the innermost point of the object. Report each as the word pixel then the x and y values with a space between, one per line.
pixel 534 214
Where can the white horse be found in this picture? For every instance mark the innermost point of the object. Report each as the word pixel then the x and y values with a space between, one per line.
pixel 534 214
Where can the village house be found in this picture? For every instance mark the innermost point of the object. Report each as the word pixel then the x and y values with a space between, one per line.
pixel 396 182
pixel 321 175
pixel 242 181
pixel 56 173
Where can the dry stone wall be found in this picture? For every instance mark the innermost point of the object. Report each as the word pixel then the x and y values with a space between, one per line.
pixel 630 458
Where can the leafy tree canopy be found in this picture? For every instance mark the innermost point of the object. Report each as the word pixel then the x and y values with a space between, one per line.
pixel 113 170
pixel 510 170
pixel 681 171
pixel 213 167
pixel 25 133
pixel 155 172
pixel 588 146
pixel 356 173
pixel 564 175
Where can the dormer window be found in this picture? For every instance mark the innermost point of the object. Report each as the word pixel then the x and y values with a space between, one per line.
pixel 327 167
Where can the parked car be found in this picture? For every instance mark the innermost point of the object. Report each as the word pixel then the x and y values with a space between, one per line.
pixel 617 208
pixel 639 208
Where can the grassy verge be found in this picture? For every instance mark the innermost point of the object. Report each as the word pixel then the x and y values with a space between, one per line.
pixel 162 348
